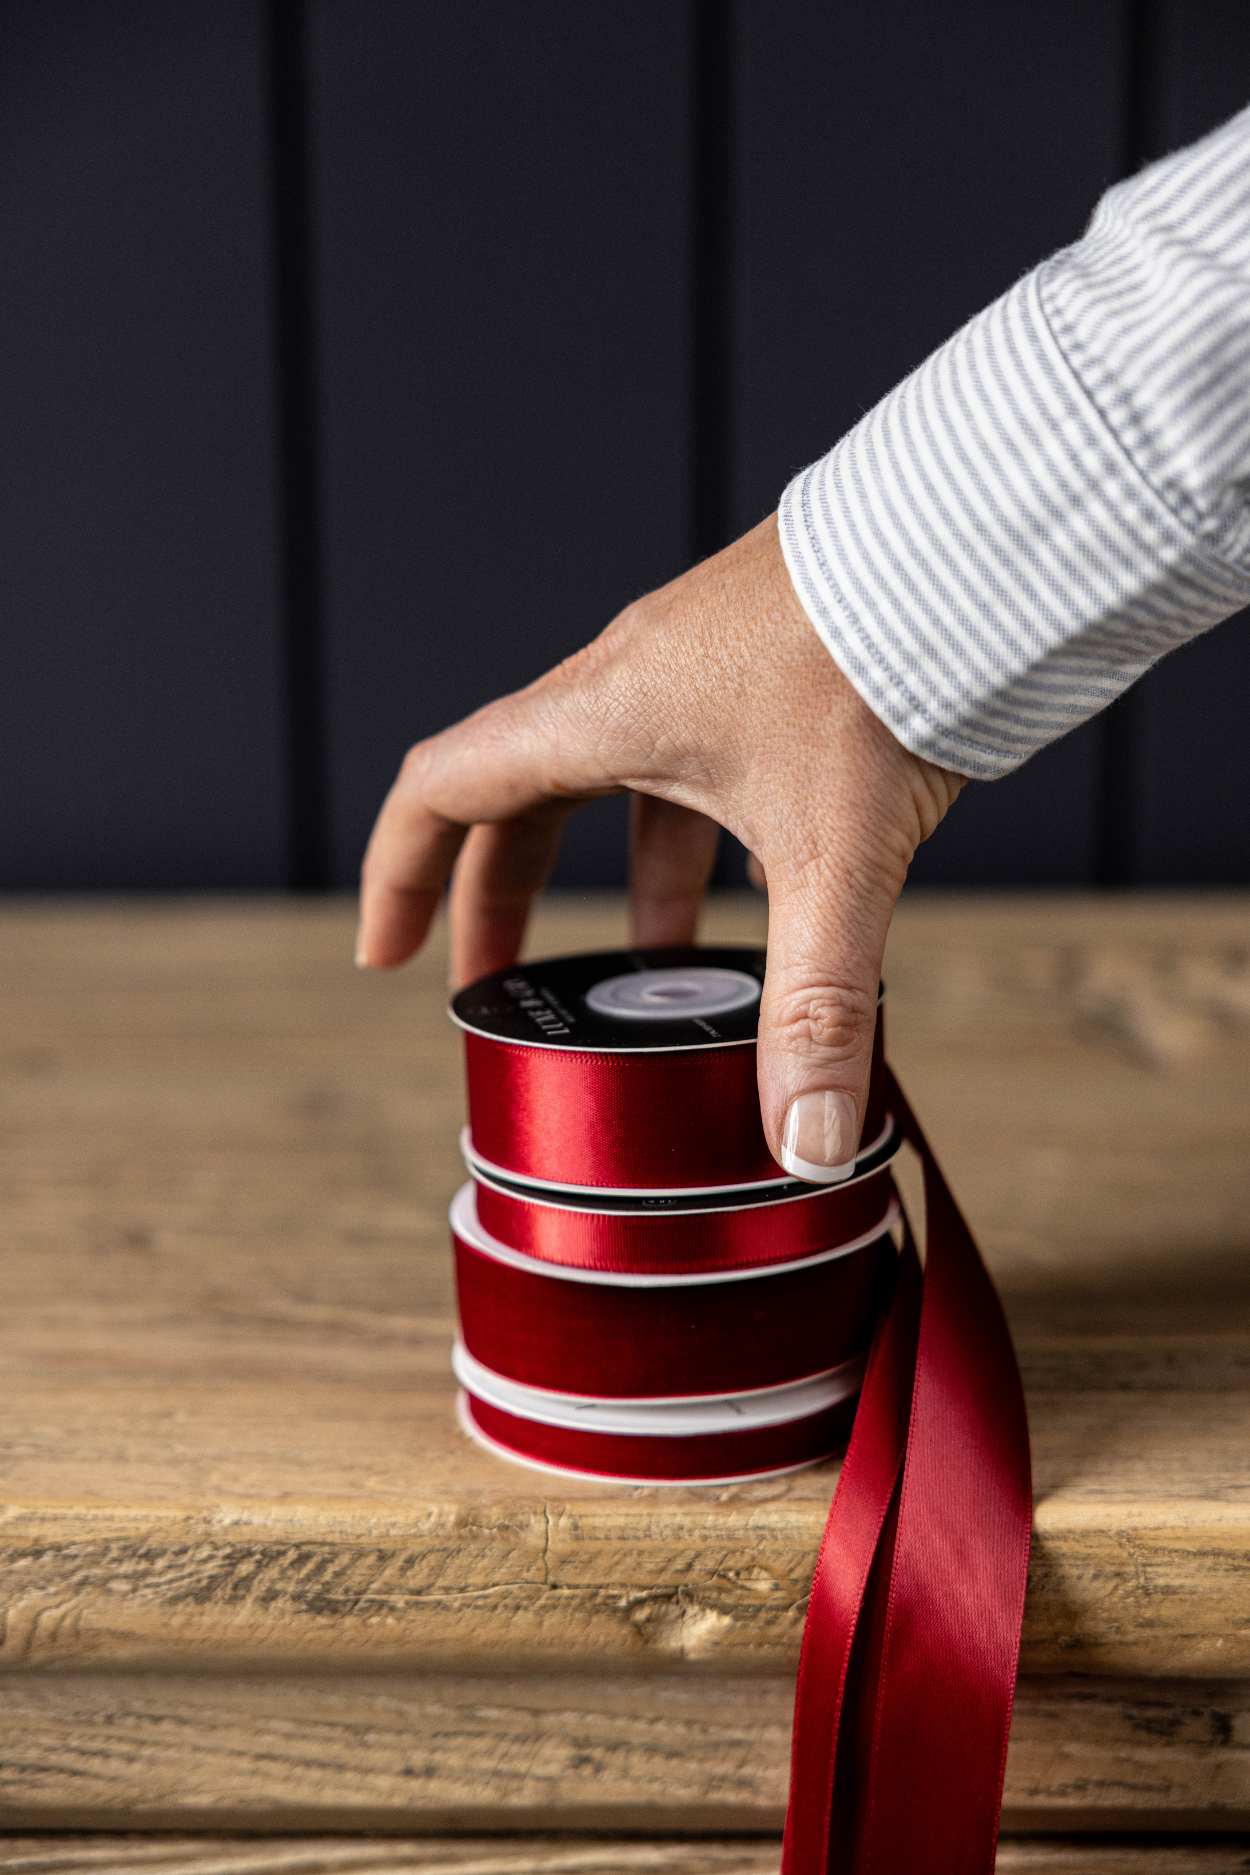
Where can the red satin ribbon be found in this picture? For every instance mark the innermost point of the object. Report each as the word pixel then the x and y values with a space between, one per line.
pixel 658 1242
pixel 913 1629
pixel 673 1341
pixel 710 1456
pixel 673 1120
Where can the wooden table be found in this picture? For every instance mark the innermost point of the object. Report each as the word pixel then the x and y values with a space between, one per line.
pixel 253 1577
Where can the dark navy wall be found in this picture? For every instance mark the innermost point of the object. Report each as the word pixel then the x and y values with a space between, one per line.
pixel 142 714
pixel 359 361
pixel 504 270
pixel 902 165
pixel 1189 750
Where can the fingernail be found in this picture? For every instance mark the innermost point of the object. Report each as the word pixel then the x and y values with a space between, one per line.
pixel 362 962
pixel 820 1138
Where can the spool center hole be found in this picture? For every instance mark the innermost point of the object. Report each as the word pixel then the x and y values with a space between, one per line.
pixel 673 994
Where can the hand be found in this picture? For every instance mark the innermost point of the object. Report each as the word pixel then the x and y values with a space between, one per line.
pixel 712 700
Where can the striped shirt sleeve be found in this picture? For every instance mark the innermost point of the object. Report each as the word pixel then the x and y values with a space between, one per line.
pixel 1059 495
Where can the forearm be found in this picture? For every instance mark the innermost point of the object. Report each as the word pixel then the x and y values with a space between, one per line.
pixel 1058 496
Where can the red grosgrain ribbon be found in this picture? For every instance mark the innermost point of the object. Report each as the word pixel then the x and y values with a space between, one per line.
pixel 678 1119
pixel 612 1338
pixel 913 1629
pixel 661 1241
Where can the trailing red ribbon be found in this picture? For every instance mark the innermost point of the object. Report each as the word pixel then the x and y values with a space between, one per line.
pixel 678 1119
pixel 673 1242
pixel 912 1638
pixel 670 1340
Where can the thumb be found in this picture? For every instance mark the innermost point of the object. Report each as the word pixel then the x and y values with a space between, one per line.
pixel 826 939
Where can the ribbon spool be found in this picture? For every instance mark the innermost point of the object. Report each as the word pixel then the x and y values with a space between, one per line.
pixel 741 1230
pixel 775 1429
pixel 616 1335
pixel 627 1070
pixel 629 1246
pixel 646 1298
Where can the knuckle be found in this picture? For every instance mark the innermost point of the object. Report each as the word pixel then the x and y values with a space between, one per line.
pixel 836 1018
pixel 612 717
pixel 415 768
pixel 633 621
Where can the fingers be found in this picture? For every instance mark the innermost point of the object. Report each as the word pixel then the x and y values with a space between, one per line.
pixel 410 856
pixel 500 872
pixel 826 939
pixel 501 765
pixel 672 853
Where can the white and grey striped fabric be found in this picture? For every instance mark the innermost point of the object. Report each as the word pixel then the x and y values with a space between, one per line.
pixel 1061 493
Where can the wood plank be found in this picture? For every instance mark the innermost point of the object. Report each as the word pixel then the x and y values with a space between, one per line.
pixel 535 1855
pixel 1126 1858
pixel 648 1752
pixel 531 1855
pixel 226 1433
pixel 303 1855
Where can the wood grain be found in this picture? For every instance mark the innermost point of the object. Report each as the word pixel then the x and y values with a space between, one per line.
pixel 225 1432
pixel 1128 1858
pixel 638 1752
pixel 535 1855
pixel 532 1855
pixel 226 1302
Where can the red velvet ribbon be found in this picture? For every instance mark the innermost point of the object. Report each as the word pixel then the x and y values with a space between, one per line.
pixel 672 1341
pixel 712 1456
pixel 913 1628
pixel 676 1119
pixel 659 1242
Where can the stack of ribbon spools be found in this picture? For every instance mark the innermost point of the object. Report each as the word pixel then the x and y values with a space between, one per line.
pixel 645 1295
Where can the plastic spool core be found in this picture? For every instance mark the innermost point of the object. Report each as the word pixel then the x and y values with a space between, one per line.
pixel 673 994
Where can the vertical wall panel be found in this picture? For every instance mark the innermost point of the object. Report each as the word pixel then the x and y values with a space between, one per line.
pixel 1193 751
pixel 505 244
pixel 901 165
pixel 504 232
pixel 141 718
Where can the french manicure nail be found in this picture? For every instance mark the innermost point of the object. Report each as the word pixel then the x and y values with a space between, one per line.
pixel 820 1138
